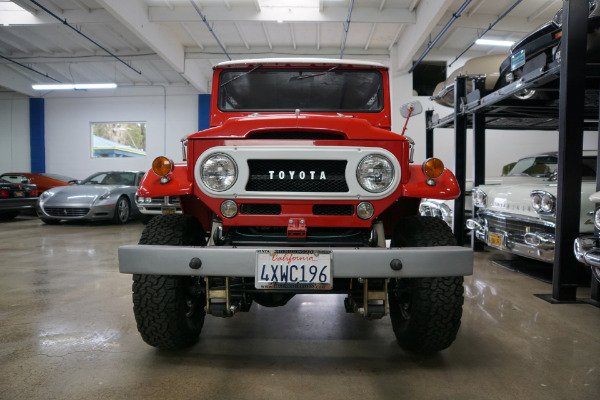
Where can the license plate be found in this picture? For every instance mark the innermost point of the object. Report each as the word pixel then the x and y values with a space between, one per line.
pixel 495 240
pixel 168 210
pixel 517 60
pixel 293 269
pixel 19 194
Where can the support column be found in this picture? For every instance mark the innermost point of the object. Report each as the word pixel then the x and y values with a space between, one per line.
pixel 570 146
pixel 428 134
pixel 460 161
pixel 37 144
pixel 478 152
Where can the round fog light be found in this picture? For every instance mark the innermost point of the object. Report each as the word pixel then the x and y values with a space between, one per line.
pixel 365 210
pixel 229 209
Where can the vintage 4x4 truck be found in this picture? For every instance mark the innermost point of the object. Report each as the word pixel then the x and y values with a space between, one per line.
pixel 298 186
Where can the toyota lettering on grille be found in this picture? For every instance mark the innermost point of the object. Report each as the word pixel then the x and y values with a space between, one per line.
pixel 312 175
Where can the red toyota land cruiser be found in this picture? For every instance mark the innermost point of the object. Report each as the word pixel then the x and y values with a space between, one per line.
pixel 298 186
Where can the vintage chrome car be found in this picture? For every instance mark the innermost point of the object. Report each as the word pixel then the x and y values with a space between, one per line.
pixel 15 197
pixel 541 47
pixel 521 218
pixel 528 169
pixel 106 195
pixel 587 248
pixel 152 206
pixel 487 66
pixel 43 181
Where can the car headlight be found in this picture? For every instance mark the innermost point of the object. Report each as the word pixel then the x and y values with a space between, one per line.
pixel 219 172
pixel 46 195
pixel 375 173
pixel 479 198
pixel 104 196
pixel 543 203
pixel 597 219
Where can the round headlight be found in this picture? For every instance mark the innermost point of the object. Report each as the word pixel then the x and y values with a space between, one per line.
pixel 597 219
pixel 547 203
pixel 365 210
pixel 375 173
pixel 536 202
pixel 479 198
pixel 218 172
pixel 229 208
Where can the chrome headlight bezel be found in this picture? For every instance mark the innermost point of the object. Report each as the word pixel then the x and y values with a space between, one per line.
pixel 46 195
pixel 543 203
pixel 375 173
pixel 479 198
pixel 597 219
pixel 218 172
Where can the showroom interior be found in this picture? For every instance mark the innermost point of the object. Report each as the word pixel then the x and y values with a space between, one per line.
pixel 529 326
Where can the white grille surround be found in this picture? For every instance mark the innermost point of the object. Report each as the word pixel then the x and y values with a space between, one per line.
pixel 353 156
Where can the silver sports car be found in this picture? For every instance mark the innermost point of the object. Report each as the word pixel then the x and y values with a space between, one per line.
pixel 102 196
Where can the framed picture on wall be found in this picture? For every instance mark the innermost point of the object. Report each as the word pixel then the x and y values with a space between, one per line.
pixel 118 139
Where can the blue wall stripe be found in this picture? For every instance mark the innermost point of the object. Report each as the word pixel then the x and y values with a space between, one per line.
pixel 203 111
pixel 37 142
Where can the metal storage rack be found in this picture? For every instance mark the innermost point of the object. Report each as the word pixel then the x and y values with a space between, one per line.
pixel 575 110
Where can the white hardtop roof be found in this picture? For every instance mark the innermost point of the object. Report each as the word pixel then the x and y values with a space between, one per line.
pixel 299 62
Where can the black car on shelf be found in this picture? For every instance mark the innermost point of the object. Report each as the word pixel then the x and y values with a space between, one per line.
pixel 15 197
pixel 541 47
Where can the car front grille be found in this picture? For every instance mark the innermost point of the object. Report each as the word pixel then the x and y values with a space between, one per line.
pixel 66 212
pixel 260 209
pixel 333 209
pixel 297 176
pixel 516 228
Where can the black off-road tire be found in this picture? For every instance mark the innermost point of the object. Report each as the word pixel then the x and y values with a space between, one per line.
pixel 425 312
pixel 169 310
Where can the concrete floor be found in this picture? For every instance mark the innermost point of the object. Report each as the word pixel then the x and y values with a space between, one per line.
pixel 67 331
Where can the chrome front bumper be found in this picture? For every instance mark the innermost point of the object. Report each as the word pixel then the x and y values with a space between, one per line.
pixel 539 246
pixel 369 262
pixel 587 252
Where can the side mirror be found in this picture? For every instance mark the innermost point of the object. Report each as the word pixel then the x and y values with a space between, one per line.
pixel 410 109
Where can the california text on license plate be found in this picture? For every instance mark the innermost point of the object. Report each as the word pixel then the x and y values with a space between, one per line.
pixel 293 269
pixel 495 240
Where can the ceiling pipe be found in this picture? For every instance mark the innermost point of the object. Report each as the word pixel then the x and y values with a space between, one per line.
pixel 346 27
pixel 209 28
pixel 31 69
pixel 64 21
pixel 455 16
pixel 486 31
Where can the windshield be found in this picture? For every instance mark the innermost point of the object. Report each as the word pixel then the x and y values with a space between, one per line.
pixel 547 165
pixel 535 166
pixel 324 90
pixel 111 178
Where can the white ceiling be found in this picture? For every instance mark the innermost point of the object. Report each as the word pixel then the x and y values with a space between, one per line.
pixel 166 42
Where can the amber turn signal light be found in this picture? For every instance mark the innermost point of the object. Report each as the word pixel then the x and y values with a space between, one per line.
pixel 162 166
pixel 433 168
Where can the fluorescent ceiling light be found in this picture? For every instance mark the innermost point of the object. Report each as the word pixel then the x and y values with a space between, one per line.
pixel 76 86
pixel 488 42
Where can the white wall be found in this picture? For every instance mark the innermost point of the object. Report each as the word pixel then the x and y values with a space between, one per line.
pixel 14 133
pixel 68 137
pixel 502 146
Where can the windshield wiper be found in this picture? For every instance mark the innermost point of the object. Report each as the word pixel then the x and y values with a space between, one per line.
pixel 317 74
pixel 240 75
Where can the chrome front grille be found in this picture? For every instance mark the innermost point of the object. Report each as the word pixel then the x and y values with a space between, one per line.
pixel 66 212
pixel 516 228
pixel 297 176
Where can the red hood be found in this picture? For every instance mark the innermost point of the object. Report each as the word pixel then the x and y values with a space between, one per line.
pixel 346 127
